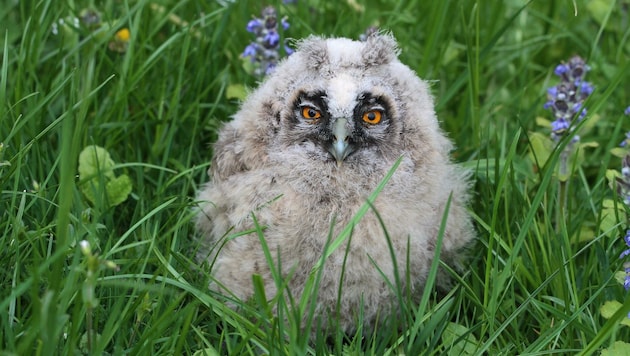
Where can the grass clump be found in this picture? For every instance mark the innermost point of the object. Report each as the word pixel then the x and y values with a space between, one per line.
pixel 150 82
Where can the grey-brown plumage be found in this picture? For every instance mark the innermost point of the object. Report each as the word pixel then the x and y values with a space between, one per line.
pixel 304 152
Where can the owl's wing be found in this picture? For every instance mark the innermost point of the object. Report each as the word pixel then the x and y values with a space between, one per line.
pixel 243 142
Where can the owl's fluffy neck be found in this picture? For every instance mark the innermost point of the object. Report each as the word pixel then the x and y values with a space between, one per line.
pixel 355 179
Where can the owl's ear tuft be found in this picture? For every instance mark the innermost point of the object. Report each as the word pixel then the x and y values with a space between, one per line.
pixel 315 52
pixel 381 48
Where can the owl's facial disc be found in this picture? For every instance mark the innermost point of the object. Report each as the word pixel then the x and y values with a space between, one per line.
pixel 341 128
pixel 340 146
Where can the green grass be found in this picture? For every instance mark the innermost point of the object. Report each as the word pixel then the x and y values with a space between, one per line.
pixel 539 273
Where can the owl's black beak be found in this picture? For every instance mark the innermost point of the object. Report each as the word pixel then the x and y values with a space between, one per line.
pixel 340 147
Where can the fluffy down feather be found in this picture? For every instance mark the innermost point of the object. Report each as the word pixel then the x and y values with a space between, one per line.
pixel 273 162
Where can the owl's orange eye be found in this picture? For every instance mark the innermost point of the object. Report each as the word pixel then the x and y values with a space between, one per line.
pixel 372 117
pixel 310 113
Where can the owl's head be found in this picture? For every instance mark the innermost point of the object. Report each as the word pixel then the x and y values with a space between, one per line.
pixel 340 101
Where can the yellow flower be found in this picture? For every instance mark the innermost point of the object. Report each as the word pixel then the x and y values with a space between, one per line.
pixel 121 41
pixel 123 35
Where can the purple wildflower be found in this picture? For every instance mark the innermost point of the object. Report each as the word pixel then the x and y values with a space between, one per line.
pixel 271 39
pixel 586 88
pixel 254 25
pixel 623 191
pixel 288 50
pixel 626 252
pixel 561 69
pixel 270 67
pixel 264 50
pixel 566 99
pixel 559 125
pixel 250 51
pixel 623 183
pixel 626 141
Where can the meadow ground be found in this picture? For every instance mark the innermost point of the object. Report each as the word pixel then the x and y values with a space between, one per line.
pixel 151 81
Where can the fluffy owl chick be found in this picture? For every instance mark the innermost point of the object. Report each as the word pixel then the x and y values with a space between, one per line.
pixel 302 155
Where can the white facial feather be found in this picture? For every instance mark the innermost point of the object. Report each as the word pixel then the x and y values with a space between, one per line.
pixel 342 94
pixel 342 51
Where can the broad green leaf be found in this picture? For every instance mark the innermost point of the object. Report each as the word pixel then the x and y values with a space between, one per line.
pixel 461 340
pixel 118 189
pixel 208 351
pixel 586 234
pixel 611 176
pixel 95 168
pixel 248 65
pixel 94 161
pixel 618 348
pixel 591 144
pixel 236 91
pixel 620 277
pixel 541 121
pixel 542 146
pixel 611 216
pixel 575 159
pixel 610 308
pixel 620 152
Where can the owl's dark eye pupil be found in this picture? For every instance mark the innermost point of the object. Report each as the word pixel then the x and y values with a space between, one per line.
pixel 371 116
pixel 312 113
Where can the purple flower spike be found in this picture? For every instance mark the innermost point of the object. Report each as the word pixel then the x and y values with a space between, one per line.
pixel 271 39
pixel 626 141
pixel 561 69
pixel 566 99
pixel 254 25
pixel 270 68
pixel 578 67
pixel 586 88
pixel 250 51
pixel 264 50
pixel 583 114
pixel 559 126
pixel 288 50
pixel 623 190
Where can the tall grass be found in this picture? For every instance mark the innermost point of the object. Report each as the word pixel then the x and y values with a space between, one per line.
pixel 536 281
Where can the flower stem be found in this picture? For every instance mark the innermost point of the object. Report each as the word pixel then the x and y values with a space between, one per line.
pixel 90 330
pixel 563 183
